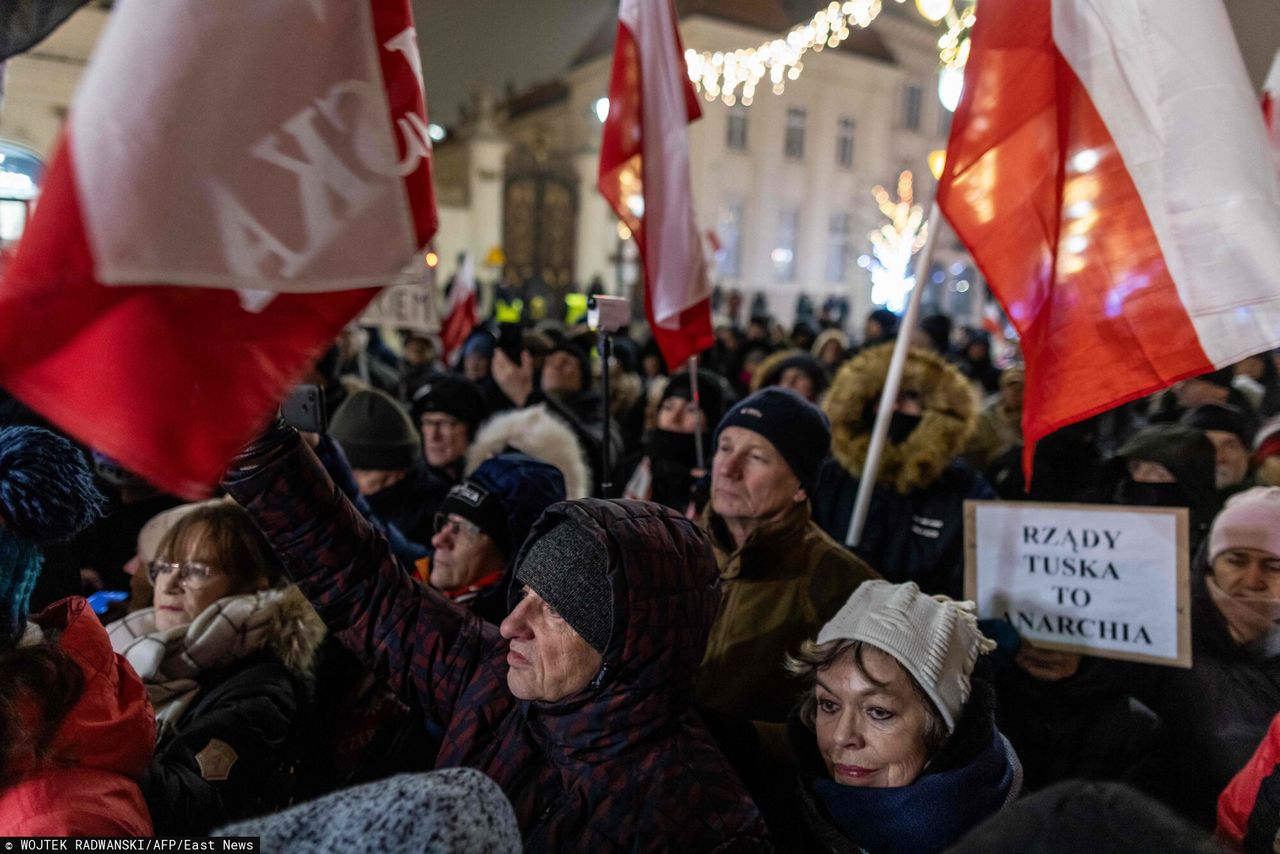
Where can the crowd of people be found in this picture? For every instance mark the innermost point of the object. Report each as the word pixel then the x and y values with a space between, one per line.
pixel 487 608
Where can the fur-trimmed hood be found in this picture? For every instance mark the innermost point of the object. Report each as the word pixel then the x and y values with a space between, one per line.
pixel 536 432
pixel 770 369
pixel 950 413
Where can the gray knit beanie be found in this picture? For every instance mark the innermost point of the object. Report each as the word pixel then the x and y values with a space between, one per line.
pixel 568 568
pixel 934 638
pixel 375 432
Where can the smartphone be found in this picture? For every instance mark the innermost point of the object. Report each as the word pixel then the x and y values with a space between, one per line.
pixel 304 409
pixel 511 340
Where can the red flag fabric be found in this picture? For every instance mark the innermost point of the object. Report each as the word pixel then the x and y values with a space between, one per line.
pixel 1107 169
pixel 460 316
pixel 235 182
pixel 644 174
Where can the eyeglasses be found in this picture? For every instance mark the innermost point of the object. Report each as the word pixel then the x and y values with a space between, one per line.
pixel 455 525
pixel 191 573
pixel 442 423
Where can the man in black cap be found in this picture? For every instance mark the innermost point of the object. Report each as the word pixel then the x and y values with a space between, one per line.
pixel 1231 432
pixel 781 577
pixel 482 523
pixel 385 453
pixel 448 410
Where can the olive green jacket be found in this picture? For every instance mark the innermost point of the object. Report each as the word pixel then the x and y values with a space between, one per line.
pixel 785 582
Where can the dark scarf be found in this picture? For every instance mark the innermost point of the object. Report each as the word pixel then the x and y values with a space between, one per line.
pixel 931 813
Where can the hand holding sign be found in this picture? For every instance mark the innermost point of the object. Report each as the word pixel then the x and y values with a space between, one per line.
pixel 1090 579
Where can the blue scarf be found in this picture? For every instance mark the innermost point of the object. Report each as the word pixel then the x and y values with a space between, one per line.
pixel 930 814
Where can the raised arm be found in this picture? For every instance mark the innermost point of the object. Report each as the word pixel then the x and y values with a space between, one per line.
pixel 425 647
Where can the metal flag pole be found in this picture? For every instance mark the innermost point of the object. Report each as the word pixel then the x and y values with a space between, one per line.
pixel 697 404
pixel 606 351
pixel 892 381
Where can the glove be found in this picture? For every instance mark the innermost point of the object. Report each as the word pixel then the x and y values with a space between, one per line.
pixel 275 441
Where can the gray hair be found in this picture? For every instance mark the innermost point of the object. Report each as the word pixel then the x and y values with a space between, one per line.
pixel 815 657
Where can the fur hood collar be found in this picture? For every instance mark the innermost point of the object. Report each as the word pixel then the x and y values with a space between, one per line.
pixel 536 432
pixel 950 413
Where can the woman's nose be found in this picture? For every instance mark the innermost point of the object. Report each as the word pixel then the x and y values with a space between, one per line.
pixel 848 733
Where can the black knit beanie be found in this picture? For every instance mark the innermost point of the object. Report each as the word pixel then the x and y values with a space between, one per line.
pixel 795 427
pixel 375 432
pixel 568 568
pixel 450 395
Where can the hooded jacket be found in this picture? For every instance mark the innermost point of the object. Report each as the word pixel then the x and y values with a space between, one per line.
pixel 230 751
pixel 915 524
pixel 785 582
pixel 106 740
pixel 624 763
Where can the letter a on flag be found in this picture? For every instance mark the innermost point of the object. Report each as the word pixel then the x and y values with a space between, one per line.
pixel 1108 170
pixel 235 181
pixel 644 174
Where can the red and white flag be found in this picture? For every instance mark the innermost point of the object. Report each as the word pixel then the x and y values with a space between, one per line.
pixel 644 174
pixel 460 313
pixel 235 181
pixel 1109 172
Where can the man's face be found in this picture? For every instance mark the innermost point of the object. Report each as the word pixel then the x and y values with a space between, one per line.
pixel 1231 462
pixel 464 554
pixel 799 382
pixel 1011 395
pixel 444 438
pixel 548 660
pixel 475 367
pixel 418 351
pixel 561 374
pixel 750 482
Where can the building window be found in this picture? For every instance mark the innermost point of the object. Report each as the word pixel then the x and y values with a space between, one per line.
pixel 838 246
pixel 794 142
pixel 735 137
pixel 784 250
pixel 844 143
pixel 729 233
pixel 912 100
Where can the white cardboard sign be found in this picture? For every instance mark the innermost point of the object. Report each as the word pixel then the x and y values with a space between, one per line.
pixel 409 303
pixel 1099 580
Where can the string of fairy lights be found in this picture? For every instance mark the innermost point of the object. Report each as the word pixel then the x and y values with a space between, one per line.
pixel 735 76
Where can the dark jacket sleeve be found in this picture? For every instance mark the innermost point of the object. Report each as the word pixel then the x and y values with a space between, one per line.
pixel 423 646
pixel 230 757
pixel 338 467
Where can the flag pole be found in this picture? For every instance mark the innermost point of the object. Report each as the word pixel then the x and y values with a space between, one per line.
pixel 697 404
pixel 892 381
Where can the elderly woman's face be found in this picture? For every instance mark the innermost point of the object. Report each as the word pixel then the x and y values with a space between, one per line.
pixel 870 735
pixel 1248 573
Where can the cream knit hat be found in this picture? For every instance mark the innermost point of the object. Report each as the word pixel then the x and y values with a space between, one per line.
pixel 934 638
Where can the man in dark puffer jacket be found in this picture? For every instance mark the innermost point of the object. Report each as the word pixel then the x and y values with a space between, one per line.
pixel 614 761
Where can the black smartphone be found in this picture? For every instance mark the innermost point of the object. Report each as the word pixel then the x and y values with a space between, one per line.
pixel 511 340
pixel 304 409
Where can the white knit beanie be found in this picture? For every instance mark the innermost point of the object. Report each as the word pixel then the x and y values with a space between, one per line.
pixel 934 638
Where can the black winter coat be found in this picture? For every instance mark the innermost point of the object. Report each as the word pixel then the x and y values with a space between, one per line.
pixel 257 708
pixel 1217 712
pixel 623 764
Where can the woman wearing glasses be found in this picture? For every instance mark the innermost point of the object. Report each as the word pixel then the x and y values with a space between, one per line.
pixel 227 654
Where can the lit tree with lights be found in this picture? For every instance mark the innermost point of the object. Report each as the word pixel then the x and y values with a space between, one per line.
pixel 894 243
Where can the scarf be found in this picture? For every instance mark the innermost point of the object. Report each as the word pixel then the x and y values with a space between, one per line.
pixel 465 594
pixel 1252 621
pixel 931 813
pixel 170 662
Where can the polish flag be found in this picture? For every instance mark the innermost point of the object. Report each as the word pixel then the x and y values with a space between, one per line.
pixel 460 314
pixel 644 174
pixel 1108 170
pixel 236 180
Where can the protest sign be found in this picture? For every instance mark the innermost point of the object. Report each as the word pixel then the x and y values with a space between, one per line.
pixel 408 303
pixel 1100 580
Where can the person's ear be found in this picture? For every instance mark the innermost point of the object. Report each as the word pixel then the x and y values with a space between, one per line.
pixel 800 496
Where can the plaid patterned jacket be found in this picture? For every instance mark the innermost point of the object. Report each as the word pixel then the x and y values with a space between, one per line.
pixel 626 766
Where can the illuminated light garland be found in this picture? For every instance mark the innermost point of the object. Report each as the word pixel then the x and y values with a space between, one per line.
pixel 894 244
pixel 734 76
